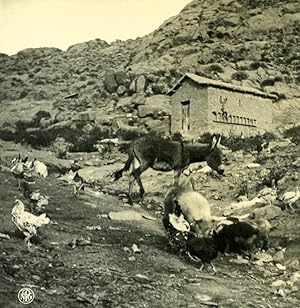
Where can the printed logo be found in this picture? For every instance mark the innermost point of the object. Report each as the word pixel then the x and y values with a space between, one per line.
pixel 26 296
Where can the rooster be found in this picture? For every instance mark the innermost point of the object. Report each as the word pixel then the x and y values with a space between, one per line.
pixel 19 159
pixel 21 171
pixel 35 197
pixel 27 222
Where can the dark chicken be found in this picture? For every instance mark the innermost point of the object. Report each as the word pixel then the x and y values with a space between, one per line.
pixel 75 166
pixel 239 237
pixel 78 184
pixel 37 200
pixel 203 249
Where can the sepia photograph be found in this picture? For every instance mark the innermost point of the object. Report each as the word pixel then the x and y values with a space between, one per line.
pixel 149 153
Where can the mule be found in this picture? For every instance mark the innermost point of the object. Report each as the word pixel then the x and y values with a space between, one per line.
pixel 165 155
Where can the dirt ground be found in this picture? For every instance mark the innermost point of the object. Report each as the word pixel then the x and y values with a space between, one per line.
pixel 107 273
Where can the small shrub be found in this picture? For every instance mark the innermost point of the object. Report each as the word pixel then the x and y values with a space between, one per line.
pixel 38 116
pixel 238 143
pixel 293 133
pixel 23 93
pixel 278 79
pixel 267 82
pixel 39 138
pixel 82 142
pixel 256 64
pixel 215 68
pixel 242 188
pixel 205 138
pixel 276 173
pixel 91 82
pixel 82 77
pixel 7 135
pixel 239 75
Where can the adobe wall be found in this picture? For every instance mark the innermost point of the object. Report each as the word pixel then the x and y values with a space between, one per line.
pixel 198 108
pixel 246 113
pixel 247 107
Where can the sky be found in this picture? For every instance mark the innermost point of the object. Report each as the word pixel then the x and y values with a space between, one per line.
pixel 61 23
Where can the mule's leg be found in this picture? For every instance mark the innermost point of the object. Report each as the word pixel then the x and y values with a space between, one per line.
pixel 137 175
pixel 119 173
pixel 131 183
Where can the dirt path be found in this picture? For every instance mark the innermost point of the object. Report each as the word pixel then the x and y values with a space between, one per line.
pixel 107 273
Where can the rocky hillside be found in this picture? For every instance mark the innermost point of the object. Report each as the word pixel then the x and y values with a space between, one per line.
pixel 251 43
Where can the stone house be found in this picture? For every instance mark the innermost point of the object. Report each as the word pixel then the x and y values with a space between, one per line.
pixel 200 105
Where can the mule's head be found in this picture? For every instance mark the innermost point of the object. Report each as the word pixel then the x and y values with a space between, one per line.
pixel 216 157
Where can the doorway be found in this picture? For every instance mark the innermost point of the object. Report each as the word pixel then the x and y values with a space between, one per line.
pixel 185 116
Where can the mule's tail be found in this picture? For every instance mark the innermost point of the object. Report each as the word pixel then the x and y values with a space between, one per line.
pixel 119 173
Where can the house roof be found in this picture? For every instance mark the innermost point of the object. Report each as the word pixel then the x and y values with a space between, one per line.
pixel 218 84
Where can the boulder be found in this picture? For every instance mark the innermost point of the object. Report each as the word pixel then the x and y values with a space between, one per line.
pixel 110 82
pixel 253 165
pixel 157 125
pixel 85 116
pixel 132 87
pixel 268 212
pixel 233 20
pixel 155 106
pixel 122 78
pixel 140 84
pixel 124 103
pixel 121 90
pixel 92 174
pixel 125 215
pixel 45 122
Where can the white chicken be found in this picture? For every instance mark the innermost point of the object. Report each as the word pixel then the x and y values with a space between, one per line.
pixel 290 197
pixel 27 222
pixel 39 167
pixel 267 195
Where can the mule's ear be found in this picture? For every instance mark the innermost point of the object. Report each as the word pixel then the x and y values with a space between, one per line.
pixel 215 141
pixel 219 140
